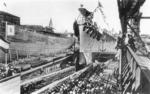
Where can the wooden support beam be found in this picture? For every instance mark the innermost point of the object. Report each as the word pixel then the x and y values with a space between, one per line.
pixel 144 17
pixel 148 17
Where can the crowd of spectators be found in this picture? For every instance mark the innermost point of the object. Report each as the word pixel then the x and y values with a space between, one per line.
pixel 42 82
pixel 13 68
pixel 18 66
pixel 7 71
pixel 89 82
pixel 127 40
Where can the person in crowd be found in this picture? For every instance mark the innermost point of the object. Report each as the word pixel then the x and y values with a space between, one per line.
pixel 118 43
pixel 10 71
pixel 131 43
pixel 76 29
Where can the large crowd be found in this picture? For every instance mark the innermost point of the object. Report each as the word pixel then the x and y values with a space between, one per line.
pixel 35 85
pixel 89 82
pixel 10 69
pixel 7 71
pixel 21 65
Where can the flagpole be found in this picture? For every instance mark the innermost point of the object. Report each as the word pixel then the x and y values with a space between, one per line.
pixel 6 40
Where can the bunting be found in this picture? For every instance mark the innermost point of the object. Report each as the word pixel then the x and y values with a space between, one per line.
pixel 4 4
pixel 138 78
pixel 4 45
pixel 99 4
pixel 100 8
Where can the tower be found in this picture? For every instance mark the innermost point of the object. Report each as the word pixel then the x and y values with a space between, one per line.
pixel 50 23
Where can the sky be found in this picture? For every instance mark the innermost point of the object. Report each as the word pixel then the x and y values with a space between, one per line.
pixel 64 12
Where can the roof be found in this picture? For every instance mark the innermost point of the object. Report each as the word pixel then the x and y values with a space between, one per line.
pixel 6 13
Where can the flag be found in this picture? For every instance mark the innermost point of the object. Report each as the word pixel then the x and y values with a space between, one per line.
pixel 5 4
pixel 10 30
pixel 99 4
pixel 4 45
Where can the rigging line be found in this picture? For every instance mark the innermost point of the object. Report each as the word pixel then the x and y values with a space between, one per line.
pixel 95 9
pixel 104 17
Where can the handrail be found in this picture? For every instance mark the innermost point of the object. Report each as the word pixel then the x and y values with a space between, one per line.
pixel 34 69
pixel 132 70
pixel 47 75
pixel 137 59
pixel 52 85
pixel 29 71
pixel 8 78
pixel 142 65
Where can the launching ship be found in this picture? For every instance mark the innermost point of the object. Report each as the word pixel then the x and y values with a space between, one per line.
pixel 99 63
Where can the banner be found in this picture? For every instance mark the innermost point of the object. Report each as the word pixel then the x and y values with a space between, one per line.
pixel 10 30
pixel 138 78
pixel 99 4
pixel 4 45
pixel 134 75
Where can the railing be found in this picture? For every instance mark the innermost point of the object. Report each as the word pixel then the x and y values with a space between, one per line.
pixel 44 81
pixel 135 76
pixel 44 69
pixel 59 82
pixel 11 85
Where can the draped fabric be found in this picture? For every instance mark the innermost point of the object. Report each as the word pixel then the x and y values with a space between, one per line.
pixel 4 45
pixel 76 29
pixel 138 78
pixel 92 30
pixel 102 42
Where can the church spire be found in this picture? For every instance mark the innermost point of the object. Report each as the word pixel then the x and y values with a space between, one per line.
pixel 50 23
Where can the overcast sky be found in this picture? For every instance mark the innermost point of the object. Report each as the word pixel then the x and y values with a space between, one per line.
pixel 64 12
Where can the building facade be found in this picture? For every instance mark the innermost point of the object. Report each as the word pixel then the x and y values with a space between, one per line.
pixel 9 18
